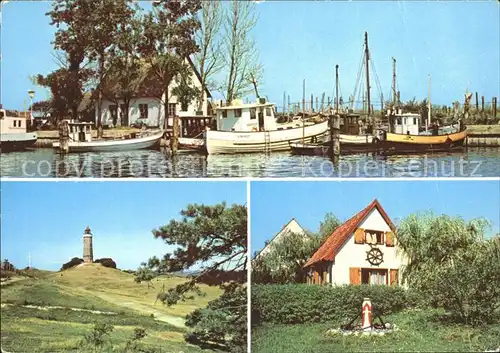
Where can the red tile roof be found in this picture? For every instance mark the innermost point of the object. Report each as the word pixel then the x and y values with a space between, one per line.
pixel 332 245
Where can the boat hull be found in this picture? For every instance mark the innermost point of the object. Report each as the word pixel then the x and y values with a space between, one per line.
pixel 192 144
pixel 17 142
pixel 114 145
pixel 398 143
pixel 349 144
pixel 226 142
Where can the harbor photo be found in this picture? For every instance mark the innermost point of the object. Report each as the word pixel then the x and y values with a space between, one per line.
pixel 123 267
pixel 375 266
pixel 196 89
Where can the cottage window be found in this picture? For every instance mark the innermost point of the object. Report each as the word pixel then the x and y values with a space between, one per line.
pixel 268 112
pixel 414 121
pixel 374 237
pixel 2 114
pixel 15 123
pixel 224 113
pixel 398 121
pixel 373 276
pixel 143 110
pixel 253 113
pixel 237 113
pixel 172 109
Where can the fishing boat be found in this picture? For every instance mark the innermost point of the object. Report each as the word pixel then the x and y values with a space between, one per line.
pixel 247 128
pixel 191 144
pixel 80 140
pixel 405 137
pixel 13 134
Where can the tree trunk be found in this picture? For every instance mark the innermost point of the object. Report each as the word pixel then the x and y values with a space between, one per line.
pixel 99 97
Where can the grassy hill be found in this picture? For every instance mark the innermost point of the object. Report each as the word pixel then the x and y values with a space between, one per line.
pixel 53 312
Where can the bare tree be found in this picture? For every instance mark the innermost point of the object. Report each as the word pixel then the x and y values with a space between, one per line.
pixel 208 60
pixel 239 48
pixel 255 76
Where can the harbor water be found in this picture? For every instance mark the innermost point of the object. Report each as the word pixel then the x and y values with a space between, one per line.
pixel 36 163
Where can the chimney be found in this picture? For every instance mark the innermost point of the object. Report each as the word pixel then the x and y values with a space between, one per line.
pixel 88 251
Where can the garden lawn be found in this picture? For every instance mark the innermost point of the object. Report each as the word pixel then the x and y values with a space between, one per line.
pixel 417 331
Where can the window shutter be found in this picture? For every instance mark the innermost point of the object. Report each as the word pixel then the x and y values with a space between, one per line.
pixel 355 275
pixel 359 236
pixel 394 277
pixel 389 238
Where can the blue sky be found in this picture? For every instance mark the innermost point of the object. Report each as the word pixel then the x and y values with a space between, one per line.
pixel 273 204
pixel 456 42
pixel 47 219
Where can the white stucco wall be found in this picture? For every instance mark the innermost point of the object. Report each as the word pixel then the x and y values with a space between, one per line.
pixel 292 227
pixel 354 255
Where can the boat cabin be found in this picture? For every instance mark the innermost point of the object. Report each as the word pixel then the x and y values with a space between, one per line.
pixel 81 132
pixel 11 124
pixel 353 124
pixel 407 123
pixel 241 117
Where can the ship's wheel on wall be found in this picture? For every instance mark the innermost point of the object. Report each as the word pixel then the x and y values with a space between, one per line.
pixel 375 256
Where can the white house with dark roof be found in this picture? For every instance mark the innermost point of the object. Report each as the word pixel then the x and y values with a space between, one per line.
pixel 148 109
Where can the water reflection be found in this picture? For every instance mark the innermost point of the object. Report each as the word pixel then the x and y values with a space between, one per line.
pixel 475 162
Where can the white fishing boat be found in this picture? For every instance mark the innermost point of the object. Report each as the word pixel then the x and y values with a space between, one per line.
pixel 13 134
pixel 246 128
pixel 80 140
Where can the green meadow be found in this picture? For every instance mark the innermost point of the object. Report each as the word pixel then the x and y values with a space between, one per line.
pixel 55 311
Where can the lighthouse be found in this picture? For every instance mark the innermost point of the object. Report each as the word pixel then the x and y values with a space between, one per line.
pixel 88 251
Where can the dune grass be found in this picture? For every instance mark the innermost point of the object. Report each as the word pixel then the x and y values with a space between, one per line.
pixel 418 331
pixel 95 289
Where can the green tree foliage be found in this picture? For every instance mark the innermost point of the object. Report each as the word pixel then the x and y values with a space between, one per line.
pixel 167 40
pixel 213 239
pixel 451 264
pixel 328 225
pixel 72 263
pixel 89 30
pixel 185 91
pixel 106 262
pixel 126 69
pixel 223 323
pixel 284 261
pixel 97 336
pixel 144 274
pixel 7 266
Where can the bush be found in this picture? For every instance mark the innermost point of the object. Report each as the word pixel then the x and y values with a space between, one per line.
pixel 96 337
pixel 72 263
pixel 301 303
pixel 106 262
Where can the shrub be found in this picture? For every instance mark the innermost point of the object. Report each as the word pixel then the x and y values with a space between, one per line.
pixel 97 336
pixel 106 262
pixel 72 263
pixel 300 303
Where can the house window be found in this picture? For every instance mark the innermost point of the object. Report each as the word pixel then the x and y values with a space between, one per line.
pixel 268 112
pixel 253 113
pixel 172 109
pixel 414 121
pixel 224 113
pixel 2 114
pixel 398 121
pixel 15 123
pixel 374 237
pixel 237 113
pixel 373 276
pixel 143 110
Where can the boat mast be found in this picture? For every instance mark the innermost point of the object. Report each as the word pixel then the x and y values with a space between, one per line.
pixel 430 105
pixel 303 108
pixel 394 83
pixel 336 89
pixel 367 58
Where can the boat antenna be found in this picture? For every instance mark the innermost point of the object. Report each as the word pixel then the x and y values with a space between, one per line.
pixel 367 58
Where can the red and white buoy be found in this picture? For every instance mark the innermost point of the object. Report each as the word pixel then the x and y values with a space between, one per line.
pixel 366 314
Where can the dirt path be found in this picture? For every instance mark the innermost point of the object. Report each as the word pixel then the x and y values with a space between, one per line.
pixel 47 308
pixel 145 309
